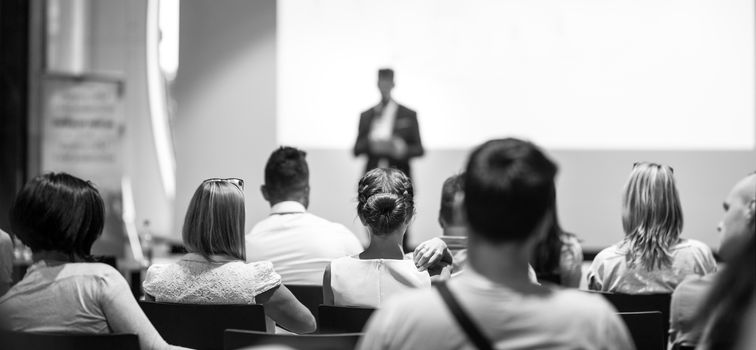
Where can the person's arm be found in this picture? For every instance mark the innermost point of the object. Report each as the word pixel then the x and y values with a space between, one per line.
pixel 286 310
pixel 432 253
pixel 440 274
pixel 327 291
pixel 124 315
pixel 6 262
pixel 570 263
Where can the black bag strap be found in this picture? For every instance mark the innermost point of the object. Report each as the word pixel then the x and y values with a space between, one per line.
pixel 464 321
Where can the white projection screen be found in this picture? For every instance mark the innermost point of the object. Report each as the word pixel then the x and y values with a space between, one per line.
pixel 567 74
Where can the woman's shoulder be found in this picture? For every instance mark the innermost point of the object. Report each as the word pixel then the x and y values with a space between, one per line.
pixel 156 270
pixel 613 251
pixel 254 266
pixel 687 243
pixel 693 249
pixel 247 272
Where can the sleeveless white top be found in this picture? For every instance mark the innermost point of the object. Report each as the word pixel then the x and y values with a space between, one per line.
pixel 194 280
pixel 368 283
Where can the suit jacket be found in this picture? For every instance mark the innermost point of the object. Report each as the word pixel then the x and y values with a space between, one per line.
pixel 405 127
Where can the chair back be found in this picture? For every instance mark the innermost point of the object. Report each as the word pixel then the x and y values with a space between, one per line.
pixel 342 319
pixel 683 347
pixel 201 326
pixel 236 339
pixel 309 296
pixel 642 302
pixel 11 340
pixel 646 329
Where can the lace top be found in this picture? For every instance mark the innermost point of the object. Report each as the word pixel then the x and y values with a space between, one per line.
pixel 195 280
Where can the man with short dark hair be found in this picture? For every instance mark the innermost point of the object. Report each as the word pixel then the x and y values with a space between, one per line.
pixel 388 133
pixel 508 188
pixel 298 243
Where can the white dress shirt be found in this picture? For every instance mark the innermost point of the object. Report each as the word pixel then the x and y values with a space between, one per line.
pixel 383 125
pixel 299 244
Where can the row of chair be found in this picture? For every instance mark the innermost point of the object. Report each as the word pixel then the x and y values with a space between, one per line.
pixel 645 329
pixel 205 326
pixel 231 339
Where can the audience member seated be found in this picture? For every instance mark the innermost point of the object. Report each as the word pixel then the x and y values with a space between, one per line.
pixel 215 271
pixel 724 310
pixel 652 258
pixel 451 217
pixel 508 188
pixel 558 258
pixel 747 340
pixel 738 225
pixel 6 262
pixel 386 208
pixel 298 243
pixel 59 217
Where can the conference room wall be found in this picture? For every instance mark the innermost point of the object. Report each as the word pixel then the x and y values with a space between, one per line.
pixel 226 126
pixel 115 45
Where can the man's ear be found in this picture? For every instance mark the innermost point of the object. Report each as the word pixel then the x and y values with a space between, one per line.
pixel 264 191
pixel 751 211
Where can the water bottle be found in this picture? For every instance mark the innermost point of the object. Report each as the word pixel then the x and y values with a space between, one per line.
pixel 145 240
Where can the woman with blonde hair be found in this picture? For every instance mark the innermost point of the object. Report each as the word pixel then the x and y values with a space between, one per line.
pixel 652 258
pixel 214 271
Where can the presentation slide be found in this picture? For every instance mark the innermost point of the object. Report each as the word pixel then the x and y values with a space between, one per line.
pixel 567 74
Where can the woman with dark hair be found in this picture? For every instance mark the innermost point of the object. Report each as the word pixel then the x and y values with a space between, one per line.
pixel 558 257
pixel 386 208
pixel 59 217
pixel 652 258
pixel 215 271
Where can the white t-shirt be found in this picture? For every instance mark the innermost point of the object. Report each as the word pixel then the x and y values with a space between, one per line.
pixel 609 271
pixel 299 244
pixel 370 282
pixel 562 319
pixel 194 280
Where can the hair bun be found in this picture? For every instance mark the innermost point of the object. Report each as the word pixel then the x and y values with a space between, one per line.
pixel 382 203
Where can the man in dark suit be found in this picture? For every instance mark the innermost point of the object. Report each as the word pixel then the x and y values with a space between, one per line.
pixel 388 134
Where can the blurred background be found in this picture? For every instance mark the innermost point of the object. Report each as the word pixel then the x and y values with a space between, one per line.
pixel 146 98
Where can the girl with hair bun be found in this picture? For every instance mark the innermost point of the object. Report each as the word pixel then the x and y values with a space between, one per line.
pixel 385 206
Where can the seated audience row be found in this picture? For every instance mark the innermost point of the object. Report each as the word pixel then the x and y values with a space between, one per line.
pixel 508 198
pixel 504 203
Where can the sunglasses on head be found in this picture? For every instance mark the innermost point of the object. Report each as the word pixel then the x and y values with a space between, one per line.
pixel 671 169
pixel 236 181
